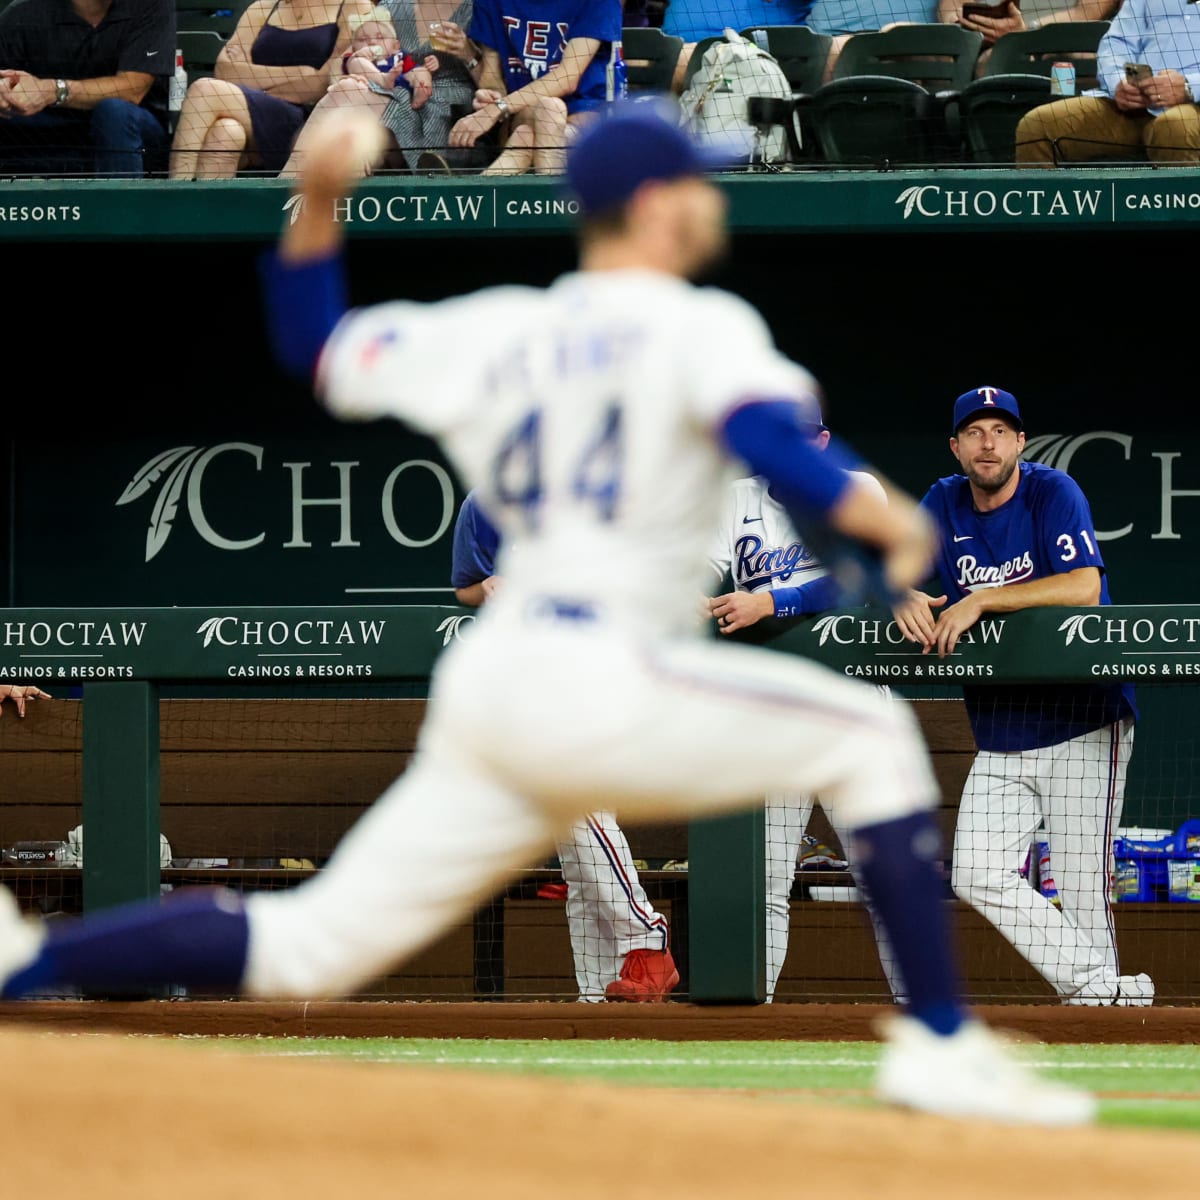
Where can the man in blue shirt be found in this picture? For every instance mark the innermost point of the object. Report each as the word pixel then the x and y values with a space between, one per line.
pixel 1131 113
pixel 1018 535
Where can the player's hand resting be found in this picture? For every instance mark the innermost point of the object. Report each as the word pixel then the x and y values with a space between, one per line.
pixel 916 619
pixel 740 610
pixel 19 694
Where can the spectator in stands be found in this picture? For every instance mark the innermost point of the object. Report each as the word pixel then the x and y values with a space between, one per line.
pixel 844 18
pixel 273 70
pixel 20 694
pixel 376 55
pixel 1015 535
pixel 547 70
pixel 695 20
pixel 416 129
pixel 618 939
pixel 776 577
pixel 1007 17
pixel 1125 117
pixel 83 86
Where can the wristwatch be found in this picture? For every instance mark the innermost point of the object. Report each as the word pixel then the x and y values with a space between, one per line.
pixel 502 105
pixel 472 63
pixel 61 93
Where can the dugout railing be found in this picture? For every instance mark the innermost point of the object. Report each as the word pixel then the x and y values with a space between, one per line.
pixel 122 661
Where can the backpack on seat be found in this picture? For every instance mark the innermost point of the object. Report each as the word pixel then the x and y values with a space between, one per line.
pixel 714 104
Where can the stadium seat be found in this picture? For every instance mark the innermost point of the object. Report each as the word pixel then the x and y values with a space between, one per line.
pixel 885 103
pixel 801 54
pixel 203 27
pixel 1016 79
pixel 988 111
pixel 1035 51
pixel 650 58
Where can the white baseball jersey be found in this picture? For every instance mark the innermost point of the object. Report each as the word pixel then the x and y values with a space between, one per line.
pixel 757 543
pixel 562 406
pixel 588 416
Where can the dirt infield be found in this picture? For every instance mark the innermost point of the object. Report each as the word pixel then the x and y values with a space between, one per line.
pixel 567 1019
pixel 111 1117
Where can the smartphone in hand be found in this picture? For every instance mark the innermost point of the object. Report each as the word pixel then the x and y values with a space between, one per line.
pixel 979 8
pixel 1138 73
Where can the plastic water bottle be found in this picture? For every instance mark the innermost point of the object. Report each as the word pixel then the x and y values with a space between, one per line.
pixel 176 90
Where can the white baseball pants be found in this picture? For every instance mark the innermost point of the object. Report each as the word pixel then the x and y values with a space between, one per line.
pixel 1077 789
pixel 532 725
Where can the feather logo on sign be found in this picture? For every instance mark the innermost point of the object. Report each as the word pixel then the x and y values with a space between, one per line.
pixel 1071 627
pixel 911 197
pixel 210 627
pixel 1047 449
pixel 294 207
pixel 824 627
pixel 174 465
pixel 451 628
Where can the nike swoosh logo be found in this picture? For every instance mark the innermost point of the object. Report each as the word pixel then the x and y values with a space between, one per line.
pixel 747 520
pixel 151 53
pixel 966 537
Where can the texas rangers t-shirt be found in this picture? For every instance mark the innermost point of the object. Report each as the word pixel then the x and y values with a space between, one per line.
pixel 529 36
pixel 1045 529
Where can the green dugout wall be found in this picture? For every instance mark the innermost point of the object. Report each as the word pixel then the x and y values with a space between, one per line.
pixel 133 330
pixel 133 334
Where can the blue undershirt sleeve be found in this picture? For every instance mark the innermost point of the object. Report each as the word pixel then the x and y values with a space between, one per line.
pixel 302 304
pixel 814 597
pixel 768 437
pixel 773 440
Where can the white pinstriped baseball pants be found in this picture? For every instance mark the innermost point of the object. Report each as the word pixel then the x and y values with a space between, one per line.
pixel 1078 789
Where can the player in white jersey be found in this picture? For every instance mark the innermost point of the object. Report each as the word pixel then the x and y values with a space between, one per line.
pixel 600 439
pixel 775 575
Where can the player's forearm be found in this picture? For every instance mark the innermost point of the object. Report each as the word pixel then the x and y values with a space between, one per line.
pixel 805 599
pixel 473 595
pixel 87 93
pixel 1072 589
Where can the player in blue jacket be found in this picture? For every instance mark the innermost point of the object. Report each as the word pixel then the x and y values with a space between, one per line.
pixel 1018 535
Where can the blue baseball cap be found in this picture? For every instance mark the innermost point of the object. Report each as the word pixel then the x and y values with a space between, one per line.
pixel 636 143
pixel 982 400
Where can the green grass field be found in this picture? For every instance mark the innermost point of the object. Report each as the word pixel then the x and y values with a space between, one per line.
pixel 1151 1086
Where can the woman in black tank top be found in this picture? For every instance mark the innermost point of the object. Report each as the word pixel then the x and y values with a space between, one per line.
pixel 268 77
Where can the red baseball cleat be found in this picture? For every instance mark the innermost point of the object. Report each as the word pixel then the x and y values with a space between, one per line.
pixel 646 978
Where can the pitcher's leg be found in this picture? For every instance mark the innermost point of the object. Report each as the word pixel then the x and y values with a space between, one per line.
pixel 441 840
